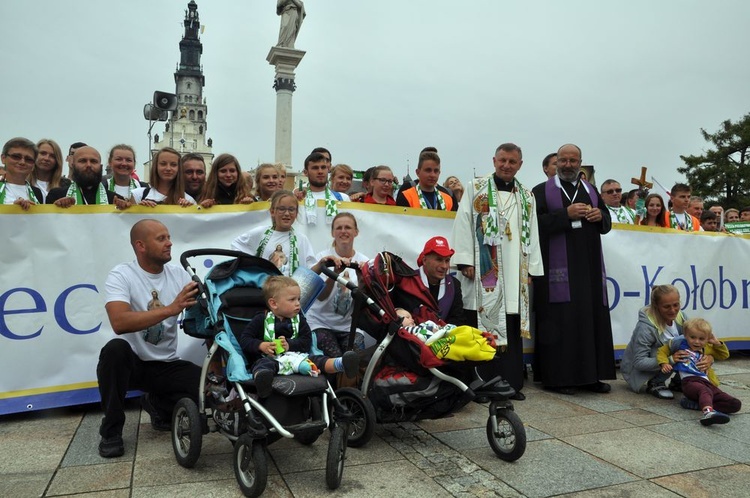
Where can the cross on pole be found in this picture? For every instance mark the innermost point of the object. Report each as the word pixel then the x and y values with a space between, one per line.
pixel 641 182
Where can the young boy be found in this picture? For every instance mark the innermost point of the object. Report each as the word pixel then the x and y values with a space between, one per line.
pixel 285 323
pixel 678 217
pixel 698 340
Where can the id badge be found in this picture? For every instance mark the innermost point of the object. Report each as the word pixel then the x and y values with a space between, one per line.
pixel 576 224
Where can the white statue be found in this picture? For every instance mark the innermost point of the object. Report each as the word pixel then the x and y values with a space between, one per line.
pixel 292 13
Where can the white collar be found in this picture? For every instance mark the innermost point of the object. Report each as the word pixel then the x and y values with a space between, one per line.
pixel 423 275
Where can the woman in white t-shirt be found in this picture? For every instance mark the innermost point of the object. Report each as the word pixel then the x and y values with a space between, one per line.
pixel 47 173
pixel 167 182
pixel 330 316
pixel 279 243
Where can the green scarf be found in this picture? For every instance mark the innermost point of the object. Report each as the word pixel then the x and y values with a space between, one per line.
pixel 269 327
pixel 294 264
pixel 75 192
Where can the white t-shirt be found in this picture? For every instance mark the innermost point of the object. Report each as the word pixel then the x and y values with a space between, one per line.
pixel 129 283
pixel 322 195
pixel 123 190
pixel 277 249
pixel 13 192
pixel 44 186
pixel 335 311
pixel 154 195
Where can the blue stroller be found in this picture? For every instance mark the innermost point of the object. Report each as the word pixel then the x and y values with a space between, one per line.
pixel 300 407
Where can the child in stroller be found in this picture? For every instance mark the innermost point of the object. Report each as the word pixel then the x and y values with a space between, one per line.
pixel 285 324
pixel 299 407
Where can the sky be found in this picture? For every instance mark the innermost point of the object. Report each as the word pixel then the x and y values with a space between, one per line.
pixel 631 82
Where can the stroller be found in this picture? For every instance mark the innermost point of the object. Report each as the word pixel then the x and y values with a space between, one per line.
pixel 404 380
pixel 300 407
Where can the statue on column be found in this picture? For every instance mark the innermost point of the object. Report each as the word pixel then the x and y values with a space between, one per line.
pixel 292 13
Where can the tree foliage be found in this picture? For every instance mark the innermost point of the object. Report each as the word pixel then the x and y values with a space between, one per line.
pixel 722 174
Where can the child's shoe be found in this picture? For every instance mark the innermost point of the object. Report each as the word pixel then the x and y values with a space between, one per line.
pixel 350 359
pixel 711 417
pixel 689 404
pixel 264 383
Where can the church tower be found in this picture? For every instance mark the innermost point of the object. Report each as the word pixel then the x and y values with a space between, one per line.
pixel 187 127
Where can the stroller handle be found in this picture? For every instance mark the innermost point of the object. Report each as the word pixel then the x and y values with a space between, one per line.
pixel 192 253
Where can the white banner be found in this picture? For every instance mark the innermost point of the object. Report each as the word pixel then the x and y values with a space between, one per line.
pixel 54 263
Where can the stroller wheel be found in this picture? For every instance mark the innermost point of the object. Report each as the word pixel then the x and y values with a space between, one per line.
pixel 250 465
pixel 187 432
pixel 336 456
pixel 362 423
pixel 506 434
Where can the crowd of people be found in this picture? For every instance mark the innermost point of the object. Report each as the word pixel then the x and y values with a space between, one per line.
pixel 506 239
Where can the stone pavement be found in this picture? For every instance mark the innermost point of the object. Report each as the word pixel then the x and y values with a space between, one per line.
pixel 589 445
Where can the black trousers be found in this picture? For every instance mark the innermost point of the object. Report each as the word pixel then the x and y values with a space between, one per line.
pixel 508 363
pixel 120 370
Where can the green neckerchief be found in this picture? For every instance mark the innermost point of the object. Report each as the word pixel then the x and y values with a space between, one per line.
pixel 75 192
pixel 673 223
pixel 29 193
pixel 438 197
pixel 294 257
pixel 491 229
pixel 623 213
pixel 111 186
pixel 269 327
pixel 310 205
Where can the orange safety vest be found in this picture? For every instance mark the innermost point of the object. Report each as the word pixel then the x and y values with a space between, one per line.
pixel 413 198
pixel 696 221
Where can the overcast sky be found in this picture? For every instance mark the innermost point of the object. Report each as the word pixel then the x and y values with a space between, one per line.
pixel 630 81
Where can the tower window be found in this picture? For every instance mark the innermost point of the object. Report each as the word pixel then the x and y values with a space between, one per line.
pixel 191 115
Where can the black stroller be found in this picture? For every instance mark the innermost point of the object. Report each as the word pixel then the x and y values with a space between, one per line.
pixel 300 407
pixel 404 380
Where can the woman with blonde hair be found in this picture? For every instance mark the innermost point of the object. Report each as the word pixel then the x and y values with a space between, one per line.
pixel 47 172
pixel 341 178
pixel 225 183
pixel 454 184
pixel 267 181
pixel 166 182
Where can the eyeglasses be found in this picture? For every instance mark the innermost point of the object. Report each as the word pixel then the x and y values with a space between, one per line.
pixel 383 180
pixel 21 157
pixel 284 209
pixel 613 191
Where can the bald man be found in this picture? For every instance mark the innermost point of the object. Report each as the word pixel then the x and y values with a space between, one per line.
pixel 87 187
pixel 144 298
pixel 573 342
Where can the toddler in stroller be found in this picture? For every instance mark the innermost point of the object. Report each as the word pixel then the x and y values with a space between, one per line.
pixel 405 379
pixel 293 406
pixel 266 335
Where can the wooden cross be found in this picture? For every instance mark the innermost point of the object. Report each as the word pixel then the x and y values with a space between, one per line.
pixel 641 182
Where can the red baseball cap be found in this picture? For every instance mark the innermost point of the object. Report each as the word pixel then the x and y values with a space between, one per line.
pixel 438 245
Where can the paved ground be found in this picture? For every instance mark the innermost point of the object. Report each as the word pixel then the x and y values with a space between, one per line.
pixel 618 444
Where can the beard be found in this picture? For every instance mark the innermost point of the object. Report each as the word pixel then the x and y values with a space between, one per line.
pixel 86 178
pixel 317 184
pixel 568 176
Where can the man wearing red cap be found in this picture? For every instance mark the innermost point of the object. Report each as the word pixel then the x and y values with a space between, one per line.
pixel 434 264
pixel 497 248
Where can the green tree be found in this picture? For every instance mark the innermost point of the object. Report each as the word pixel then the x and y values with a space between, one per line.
pixel 722 173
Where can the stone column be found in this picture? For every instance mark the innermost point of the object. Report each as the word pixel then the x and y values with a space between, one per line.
pixel 285 60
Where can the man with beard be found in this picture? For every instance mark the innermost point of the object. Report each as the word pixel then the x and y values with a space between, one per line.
pixel 194 171
pixel 317 166
pixel 573 344
pixel 144 300
pixel 87 187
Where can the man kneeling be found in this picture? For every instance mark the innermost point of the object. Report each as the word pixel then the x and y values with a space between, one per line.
pixel 144 299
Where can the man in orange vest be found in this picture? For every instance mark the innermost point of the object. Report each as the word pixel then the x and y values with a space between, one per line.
pixel 427 194
pixel 678 217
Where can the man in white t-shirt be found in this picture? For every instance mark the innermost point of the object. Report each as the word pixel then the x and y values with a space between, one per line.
pixel 144 299
pixel 316 168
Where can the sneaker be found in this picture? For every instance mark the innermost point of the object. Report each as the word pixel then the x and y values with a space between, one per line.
pixel 689 404
pixel 659 390
pixel 264 383
pixel 111 447
pixel 350 359
pixel 157 421
pixel 713 417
